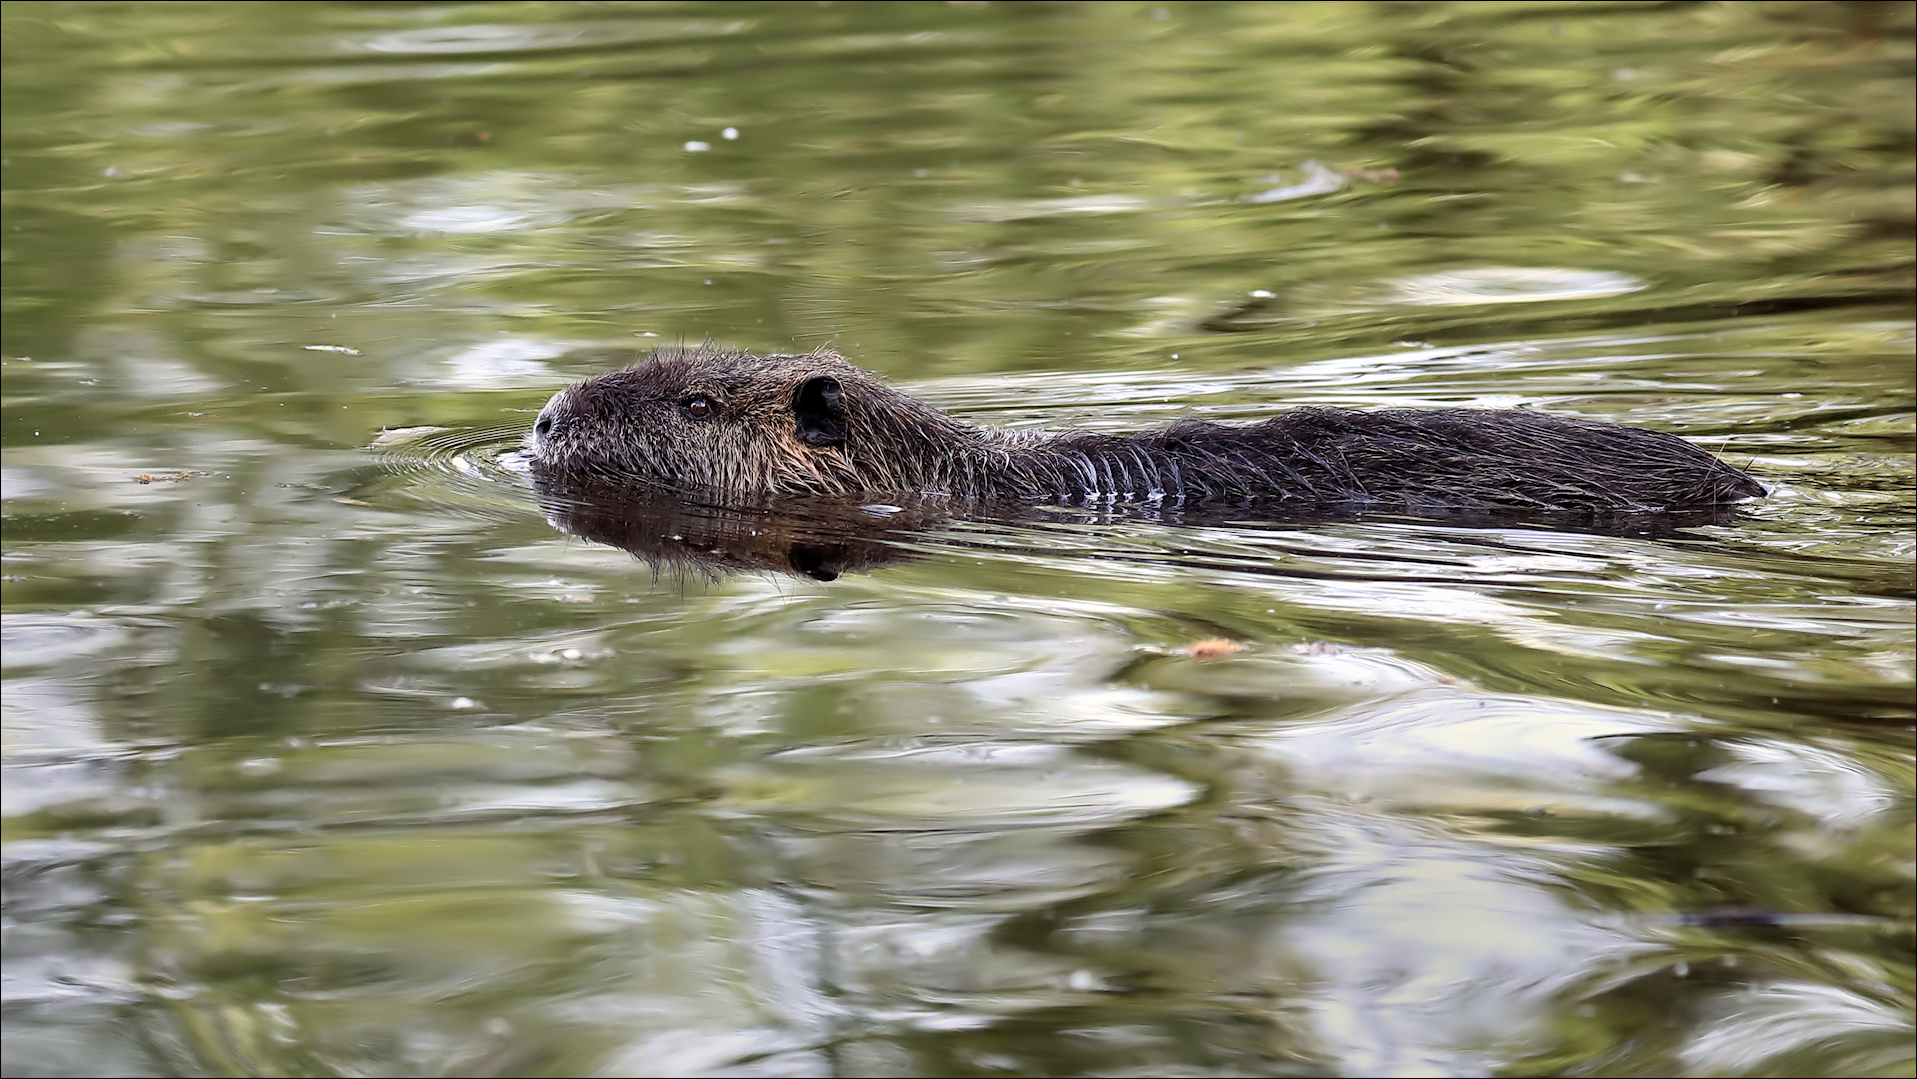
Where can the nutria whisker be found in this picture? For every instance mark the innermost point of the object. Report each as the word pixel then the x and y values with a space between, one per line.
pixel 730 425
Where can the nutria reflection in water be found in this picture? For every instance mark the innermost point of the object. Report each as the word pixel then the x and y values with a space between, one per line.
pixel 819 539
pixel 824 538
pixel 729 425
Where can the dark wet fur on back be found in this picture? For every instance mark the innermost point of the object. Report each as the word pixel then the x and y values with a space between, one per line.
pixel 735 425
pixel 1427 458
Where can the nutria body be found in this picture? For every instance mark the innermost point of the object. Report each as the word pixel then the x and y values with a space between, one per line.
pixel 732 425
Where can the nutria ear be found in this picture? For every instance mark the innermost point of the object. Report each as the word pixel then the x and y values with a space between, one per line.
pixel 819 407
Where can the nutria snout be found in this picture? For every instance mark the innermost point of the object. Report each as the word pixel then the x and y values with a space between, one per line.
pixel 732 425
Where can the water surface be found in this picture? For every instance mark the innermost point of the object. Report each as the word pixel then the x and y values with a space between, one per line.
pixel 327 753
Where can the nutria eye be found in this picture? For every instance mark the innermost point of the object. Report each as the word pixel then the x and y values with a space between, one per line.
pixel 700 408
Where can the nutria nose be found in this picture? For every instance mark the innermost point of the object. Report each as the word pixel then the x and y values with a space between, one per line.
pixel 542 427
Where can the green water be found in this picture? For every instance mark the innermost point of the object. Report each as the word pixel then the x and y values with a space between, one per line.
pixel 329 758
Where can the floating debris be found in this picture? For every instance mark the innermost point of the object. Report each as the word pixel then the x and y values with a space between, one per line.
pixel 1210 648
pixel 174 477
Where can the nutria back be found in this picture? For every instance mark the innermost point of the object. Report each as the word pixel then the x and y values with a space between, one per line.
pixel 732 425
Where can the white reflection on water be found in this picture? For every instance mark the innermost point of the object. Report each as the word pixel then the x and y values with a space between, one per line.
pixel 505 201
pixel 470 218
pixel 469 38
pixel 510 361
pixel 957 788
pixel 1434 952
pixel 1822 785
pixel 473 37
pixel 1458 749
pixel 1431 959
pixel 1510 284
pixel 1318 180
pixel 1023 209
pixel 698 982
pixel 1759 1023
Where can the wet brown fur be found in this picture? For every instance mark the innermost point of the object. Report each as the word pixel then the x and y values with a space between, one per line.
pixel 815 424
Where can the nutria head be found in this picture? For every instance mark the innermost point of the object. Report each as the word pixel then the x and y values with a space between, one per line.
pixel 708 419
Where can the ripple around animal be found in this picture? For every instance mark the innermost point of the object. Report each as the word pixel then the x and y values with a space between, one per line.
pixel 473 471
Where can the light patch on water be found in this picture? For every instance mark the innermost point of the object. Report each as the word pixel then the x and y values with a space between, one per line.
pixel 1510 284
pixel 22 483
pixel 1318 180
pixel 502 202
pixel 1432 957
pixel 471 218
pixel 1824 786
pixel 964 788
pixel 1759 1023
pixel 46 718
pixel 36 640
pixel 502 361
pixel 472 37
pixel 1463 750
pixel 698 983
pixel 164 376
pixel 559 37
pixel 1022 209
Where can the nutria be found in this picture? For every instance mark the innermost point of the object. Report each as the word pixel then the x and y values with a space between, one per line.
pixel 730 425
